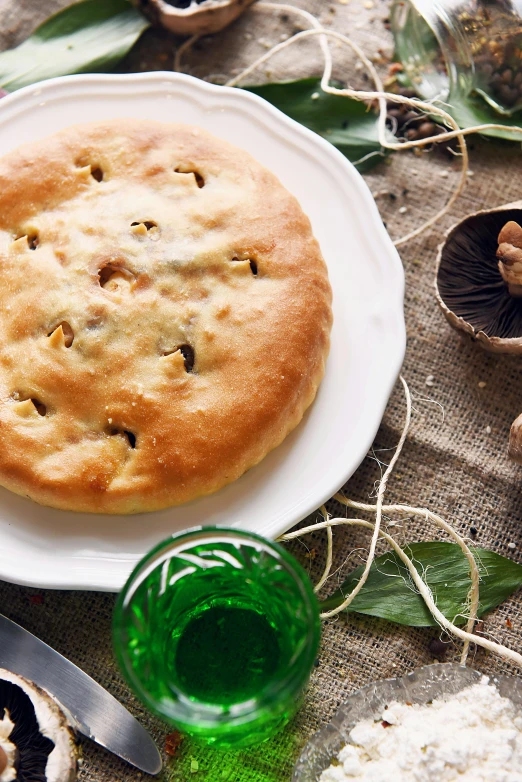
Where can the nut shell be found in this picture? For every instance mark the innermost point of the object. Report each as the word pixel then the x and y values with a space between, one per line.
pixel 509 256
pixel 205 18
pixel 515 440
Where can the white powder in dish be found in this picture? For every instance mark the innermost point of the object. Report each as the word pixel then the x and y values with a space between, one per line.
pixel 474 736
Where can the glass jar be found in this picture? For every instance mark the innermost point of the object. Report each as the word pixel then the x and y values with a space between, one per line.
pixel 462 48
pixel 216 631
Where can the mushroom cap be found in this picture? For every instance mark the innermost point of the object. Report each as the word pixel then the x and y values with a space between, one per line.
pixel 470 289
pixel 201 17
pixel 33 721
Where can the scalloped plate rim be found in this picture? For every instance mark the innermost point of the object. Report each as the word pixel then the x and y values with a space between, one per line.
pixel 91 569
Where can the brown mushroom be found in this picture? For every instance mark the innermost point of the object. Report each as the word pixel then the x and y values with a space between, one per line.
pixel 478 267
pixel 479 286
pixel 192 17
pixel 37 741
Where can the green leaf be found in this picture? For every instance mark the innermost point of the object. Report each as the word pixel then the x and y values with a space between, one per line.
pixel 348 124
pixel 92 35
pixel 389 592
pixel 472 111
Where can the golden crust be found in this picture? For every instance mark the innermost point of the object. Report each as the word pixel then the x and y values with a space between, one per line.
pixel 116 263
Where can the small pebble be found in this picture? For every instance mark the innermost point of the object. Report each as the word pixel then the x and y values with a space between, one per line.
pixel 438 648
pixel 488 430
pixel 315 95
pixel 403 210
pixel 470 173
pixel 512 546
pixel 444 174
pixel 482 384
pixel 430 380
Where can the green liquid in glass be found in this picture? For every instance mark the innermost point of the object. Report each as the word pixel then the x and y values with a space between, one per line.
pixel 225 654
pixel 217 631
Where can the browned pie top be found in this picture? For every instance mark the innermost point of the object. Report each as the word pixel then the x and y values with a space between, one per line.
pixel 164 316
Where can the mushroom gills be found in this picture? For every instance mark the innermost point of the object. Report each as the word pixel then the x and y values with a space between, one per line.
pixel 471 289
pixel 37 743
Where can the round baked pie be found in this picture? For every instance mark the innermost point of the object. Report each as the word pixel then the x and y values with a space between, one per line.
pixel 164 316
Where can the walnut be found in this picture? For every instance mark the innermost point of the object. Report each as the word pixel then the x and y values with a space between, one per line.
pixel 509 256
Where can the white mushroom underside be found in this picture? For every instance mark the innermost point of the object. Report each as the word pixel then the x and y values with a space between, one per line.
pixel 52 723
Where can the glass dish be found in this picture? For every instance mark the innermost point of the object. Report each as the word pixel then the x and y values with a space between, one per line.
pixel 420 686
pixel 462 47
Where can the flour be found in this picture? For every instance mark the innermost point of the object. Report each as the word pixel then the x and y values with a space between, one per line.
pixel 474 736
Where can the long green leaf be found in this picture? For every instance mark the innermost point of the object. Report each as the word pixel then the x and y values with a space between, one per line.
pixel 389 592
pixel 348 124
pixel 474 111
pixel 92 35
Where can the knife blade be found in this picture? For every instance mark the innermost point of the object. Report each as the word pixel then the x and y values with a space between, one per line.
pixel 96 713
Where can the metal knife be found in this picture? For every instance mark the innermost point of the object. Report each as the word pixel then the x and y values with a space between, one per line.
pixel 96 714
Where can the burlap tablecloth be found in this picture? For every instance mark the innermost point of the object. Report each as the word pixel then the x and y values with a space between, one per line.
pixel 454 461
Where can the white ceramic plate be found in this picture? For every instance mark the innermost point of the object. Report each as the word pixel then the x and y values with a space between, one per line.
pixel 55 549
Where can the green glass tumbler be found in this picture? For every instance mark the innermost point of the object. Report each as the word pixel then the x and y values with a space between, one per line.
pixel 216 631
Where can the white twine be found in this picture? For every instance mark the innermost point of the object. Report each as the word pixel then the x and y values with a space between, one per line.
pixel 473 595
pixel 329 553
pixel 378 515
pixel 423 588
pixel 467 635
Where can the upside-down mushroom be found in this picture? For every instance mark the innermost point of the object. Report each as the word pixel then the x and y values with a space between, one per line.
pixel 479 286
pixel 37 743
pixel 476 296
